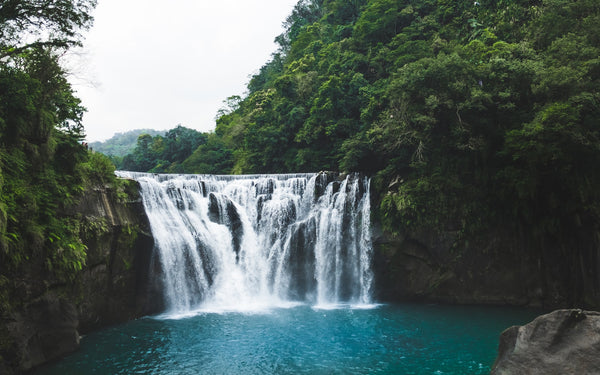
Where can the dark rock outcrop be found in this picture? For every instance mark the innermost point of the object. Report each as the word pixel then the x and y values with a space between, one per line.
pixel 323 179
pixel 48 315
pixel 562 342
pixel 438 265
pixel 115 285
pixel 302 261
pixel 222 210
pixel 44 330
pixel 430 267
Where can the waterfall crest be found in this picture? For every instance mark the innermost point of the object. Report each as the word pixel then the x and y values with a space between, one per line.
pixel 251 241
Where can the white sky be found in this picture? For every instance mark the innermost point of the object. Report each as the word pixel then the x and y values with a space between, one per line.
pixel 156 64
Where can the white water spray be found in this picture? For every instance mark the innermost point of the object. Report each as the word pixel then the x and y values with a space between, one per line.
pixel 251 242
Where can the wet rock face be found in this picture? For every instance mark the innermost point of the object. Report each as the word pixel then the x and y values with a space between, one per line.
pixel 114 285
pixel 435 265
pixel 324 179
pixel 562 342
pixel 46 329
pixel 222 211
pixel 302 261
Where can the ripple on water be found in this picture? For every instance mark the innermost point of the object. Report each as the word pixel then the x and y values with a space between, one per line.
pixel 300 339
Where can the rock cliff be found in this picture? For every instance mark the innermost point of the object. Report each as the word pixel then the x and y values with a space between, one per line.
pixel 437 265
pixel 113 287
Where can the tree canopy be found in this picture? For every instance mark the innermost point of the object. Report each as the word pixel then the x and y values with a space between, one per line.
pixel 467 114
pixel 43 165
pixel 26 24
pixel 122 144
pixel 163 153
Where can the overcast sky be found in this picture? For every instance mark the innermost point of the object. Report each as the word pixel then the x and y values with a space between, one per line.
pixel 156 64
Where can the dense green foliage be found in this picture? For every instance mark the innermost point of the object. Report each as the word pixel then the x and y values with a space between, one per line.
pixel 163 153
pixel 122 144
pixel 40 157
pixel 28 24
pixel 212 157
pixel 468 114
pixel 44 168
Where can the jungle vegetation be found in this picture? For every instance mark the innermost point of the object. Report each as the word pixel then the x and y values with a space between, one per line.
pixel 121 144
pixel 468 113
pixel 44 167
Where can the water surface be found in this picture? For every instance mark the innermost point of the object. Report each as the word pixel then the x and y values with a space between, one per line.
pixel 387 339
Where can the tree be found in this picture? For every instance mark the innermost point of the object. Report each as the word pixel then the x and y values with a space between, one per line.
pixel 40 133
pixel 181 142
pixel 26 24
pixel 160 154
pixel 212 157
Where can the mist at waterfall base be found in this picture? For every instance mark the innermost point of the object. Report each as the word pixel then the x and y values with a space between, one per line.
pixel 272 275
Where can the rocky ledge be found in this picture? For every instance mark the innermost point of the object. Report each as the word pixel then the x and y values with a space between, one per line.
pixel 562 342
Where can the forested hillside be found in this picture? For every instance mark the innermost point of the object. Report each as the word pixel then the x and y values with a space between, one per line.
pixel 44 167
pixel 465 113
pixel 469 115
pixel 122 144
pixel 162 154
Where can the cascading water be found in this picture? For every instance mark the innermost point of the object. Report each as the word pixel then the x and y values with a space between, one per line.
pixel 246 242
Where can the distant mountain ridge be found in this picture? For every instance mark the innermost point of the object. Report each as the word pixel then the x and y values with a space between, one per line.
pixel 122 144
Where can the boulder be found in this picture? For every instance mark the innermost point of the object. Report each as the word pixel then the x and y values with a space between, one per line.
pixel 562 342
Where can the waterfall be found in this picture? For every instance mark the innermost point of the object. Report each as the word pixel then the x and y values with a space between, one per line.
pixel 236 242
